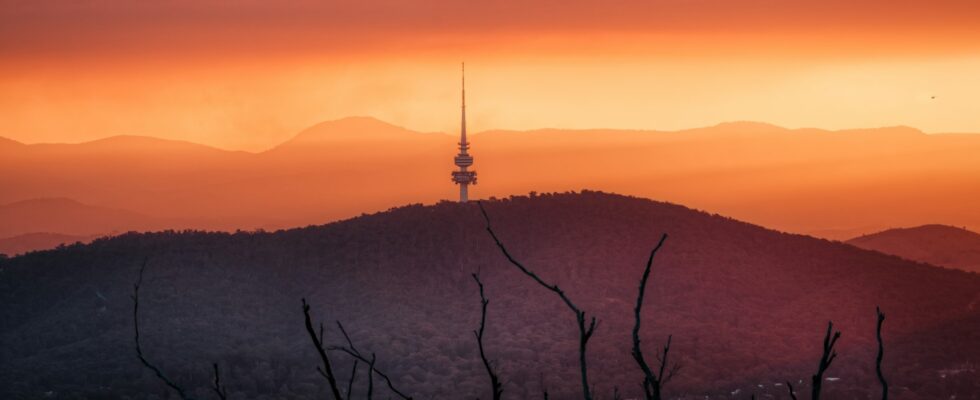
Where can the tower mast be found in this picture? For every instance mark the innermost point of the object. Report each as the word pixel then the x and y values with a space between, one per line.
pixel 463 146
pixel 463 160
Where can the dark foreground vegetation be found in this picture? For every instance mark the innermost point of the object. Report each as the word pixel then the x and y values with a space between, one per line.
pixel 742 309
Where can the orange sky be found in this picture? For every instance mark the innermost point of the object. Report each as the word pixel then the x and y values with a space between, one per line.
pixel 251 74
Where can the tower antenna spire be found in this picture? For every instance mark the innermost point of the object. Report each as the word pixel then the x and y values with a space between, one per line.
pixel 463 145
pixel 463 159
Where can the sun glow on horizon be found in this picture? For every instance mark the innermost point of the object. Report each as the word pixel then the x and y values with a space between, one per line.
pixel 255 76
pixel 257 107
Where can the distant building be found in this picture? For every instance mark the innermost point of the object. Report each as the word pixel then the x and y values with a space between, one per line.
pixel 464 160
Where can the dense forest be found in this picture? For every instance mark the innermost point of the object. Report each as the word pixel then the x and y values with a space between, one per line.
pixel 746 307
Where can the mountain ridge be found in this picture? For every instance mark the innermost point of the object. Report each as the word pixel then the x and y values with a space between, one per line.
pixel 10 142
pixel 125 142
pixel 936 244
pixel 786 180
pixel 367 121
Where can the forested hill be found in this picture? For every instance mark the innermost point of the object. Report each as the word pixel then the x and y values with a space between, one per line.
pixel 747 307
pixel 942 245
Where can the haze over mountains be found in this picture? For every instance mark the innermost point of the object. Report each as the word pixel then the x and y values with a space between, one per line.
pixel 833 184
pixel 941 245
pixel 68 217
pixel 747 306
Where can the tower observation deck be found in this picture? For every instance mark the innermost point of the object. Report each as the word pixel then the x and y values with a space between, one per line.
pixel 462 176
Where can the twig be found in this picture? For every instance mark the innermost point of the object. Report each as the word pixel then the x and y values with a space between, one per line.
pixel 881 354
pixel 792 394
pixel 665 374
pixel 350 383
pixel 216 384
pixel 136 330
pixel 353 352
pixel 495 384
pixel 585 330
pixel 829 354
pixel 371 377
pixel 327 371
pixel 652 383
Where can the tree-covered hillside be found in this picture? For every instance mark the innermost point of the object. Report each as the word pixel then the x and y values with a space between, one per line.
pixel 747 307
pixel 940 245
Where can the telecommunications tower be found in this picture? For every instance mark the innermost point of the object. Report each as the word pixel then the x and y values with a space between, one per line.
pixel 463 160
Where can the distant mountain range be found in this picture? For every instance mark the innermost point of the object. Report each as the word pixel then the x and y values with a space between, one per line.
pixel 747 307
pixel 833 184
pixel 942 245
pixel 27 242
pixel 38 224
pixel 66 216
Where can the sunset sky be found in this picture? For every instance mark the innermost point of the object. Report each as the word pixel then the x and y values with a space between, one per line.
pixel 249 74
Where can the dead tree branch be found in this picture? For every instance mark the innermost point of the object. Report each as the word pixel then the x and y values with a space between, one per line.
pixel 350 382
pixel 829 354
pixel 881 354
pixel 136 330
pixel 327 370
pixel 495 384
pixel 652 382
pixel 355 353
pixel 585 329
pixel 371 377
pixel 792 394
pixel 664 373
pixel 216 384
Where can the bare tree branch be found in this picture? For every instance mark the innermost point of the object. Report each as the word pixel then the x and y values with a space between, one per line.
pixel 881 354
pixel 652 383
pixel 495 384
pixel 136 330
pixel 350 382
pixel 792 394
pixel 667 376
pixel 829 354
pixel 371 377
pixel 216 384
pixel 353 352
pixel 327 371
pixel 585 329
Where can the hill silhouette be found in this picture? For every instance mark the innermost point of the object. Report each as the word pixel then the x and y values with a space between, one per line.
pixel 354 130
pixel 832 184
pixel 45 223
pixel 41 240
pixel 941 245
pixel 747 306
pixel 9 144
pixel 67 216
